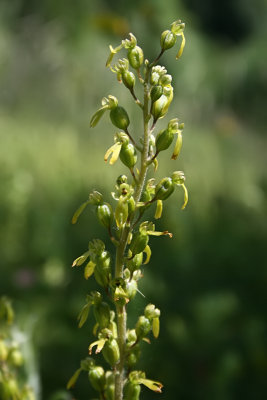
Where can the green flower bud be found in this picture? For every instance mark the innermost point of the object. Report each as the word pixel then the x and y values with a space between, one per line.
pixel 110 386
pixel 111 351
pixel 131 391
pixel 95 198
pixel 133 356
pixel 121 179
pixel 128 155
pixel 97 379
pixel 131 288
pixel 161 106
pixel 128 79
pixel 102 314
pixel 119 117
pixel 165 80
pixel 142 327
pixel 139 242
pixel 105 214
pixel 131 336
pixel 102 270
pixel 164 189
pixel 136 57
pixel 156 92
pixel 131 205
pixel 164 140
pixel 151 312
pixel 167 40
pixel 135 263
pixel 15 358
pixel 121 212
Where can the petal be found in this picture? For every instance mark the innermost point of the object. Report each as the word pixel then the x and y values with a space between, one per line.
pixel 180 52
pixel 185 196
pixel 89 269
pixel 97 115
pixel 99 343
pixel 159 208
pixel 178 146
pixel 148 254
pixel 78 212
pixel 152 385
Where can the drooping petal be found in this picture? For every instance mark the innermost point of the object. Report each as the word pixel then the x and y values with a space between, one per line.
pixel 114 151
pixel 83 315
pixel 178 146
pixel 97 115
pixel 148 254
pixel 74 378
pixel 180 52
pixel 89 269
pixel 185 196
pixel 78 212
pixel 99 343
pixel 155 327
pixel 80 260
pixel 159 208
pixel 152 385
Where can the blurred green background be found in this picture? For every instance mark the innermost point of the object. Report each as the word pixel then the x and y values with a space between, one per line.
pixel 210 279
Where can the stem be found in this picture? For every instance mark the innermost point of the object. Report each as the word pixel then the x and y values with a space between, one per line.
pixel 121 310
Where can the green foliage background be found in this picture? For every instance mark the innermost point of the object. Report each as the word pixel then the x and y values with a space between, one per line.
pixel 210 279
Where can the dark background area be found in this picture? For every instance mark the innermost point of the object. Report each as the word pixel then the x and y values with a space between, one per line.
pixel 210 280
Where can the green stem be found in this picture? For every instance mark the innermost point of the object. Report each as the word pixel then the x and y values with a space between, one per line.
pixel 121 310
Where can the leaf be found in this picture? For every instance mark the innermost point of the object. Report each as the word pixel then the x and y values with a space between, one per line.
pixel 74 378
pixel 89 269
pixel 78 212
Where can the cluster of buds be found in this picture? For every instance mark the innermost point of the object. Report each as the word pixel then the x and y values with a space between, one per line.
pixel 122 217
pixel 11 359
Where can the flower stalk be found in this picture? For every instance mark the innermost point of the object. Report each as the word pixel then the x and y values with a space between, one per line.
pixel 128 232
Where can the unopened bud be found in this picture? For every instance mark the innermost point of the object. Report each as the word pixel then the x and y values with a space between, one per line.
pixel 139 242
pixel 128 79
pixel 119 117
pixel 142 327
pixel 164 189
pixel 165 80
pixel 96 377
pixel 132 391
pixel 111 351
pixel 156 92
pixel 136 57
pixel 164 140
pixel 105 214
pixel 95 198
pixel 167 40
pixel 128 155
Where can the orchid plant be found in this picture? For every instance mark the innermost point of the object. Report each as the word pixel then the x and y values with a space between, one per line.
pixel 118 272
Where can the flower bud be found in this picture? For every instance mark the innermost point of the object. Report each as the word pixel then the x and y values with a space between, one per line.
pixel 131 288
pixel 110 386
pixel 178 177
pixel 151 312
pixel 136 57
pixel 111 351
pixel 121 212
pixel 119 117
pixel 142 327
pixel 95 198
pixel 131 391
pixel 102 269
pixel 135 263
pixel 164 189
pixel 133 356
pixel 105 214
pixel 128 155
pixel 102 314
pixel 131 205
pixel 167 40
pixel 160 107
pixel 164 140
pixel 139 242
pixel 121 179
pixel 15 358
pixel 165 80
pixel 97 379
pixel 128 79
pixel 156 92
